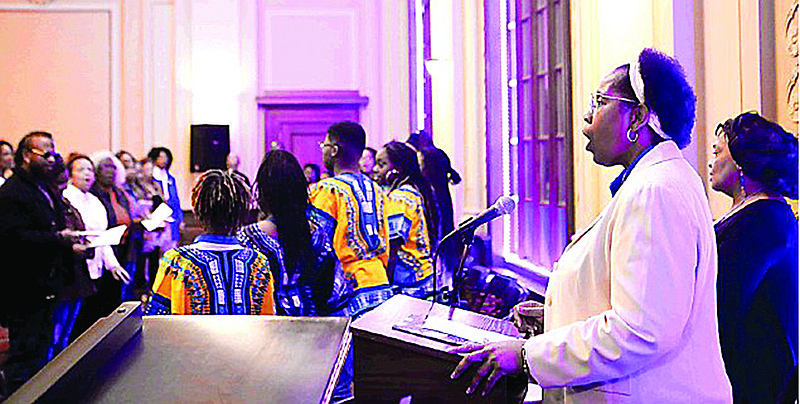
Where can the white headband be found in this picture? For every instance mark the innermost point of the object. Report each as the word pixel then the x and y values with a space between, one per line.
pixel 638 88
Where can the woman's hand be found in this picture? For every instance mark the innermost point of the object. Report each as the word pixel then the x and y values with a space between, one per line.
pixel 497 359
pixel 121 275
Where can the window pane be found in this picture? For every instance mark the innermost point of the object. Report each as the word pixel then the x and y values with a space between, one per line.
pixel 525 35
pixel 543 107
pixel 562 172
pixel 542 41
pixel 561 102
pixel 543 157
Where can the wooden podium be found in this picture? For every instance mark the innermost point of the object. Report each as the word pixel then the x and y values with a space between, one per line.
pixel 390 364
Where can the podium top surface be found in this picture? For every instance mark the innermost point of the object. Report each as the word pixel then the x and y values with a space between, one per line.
pixel 377 324
pixel 202 359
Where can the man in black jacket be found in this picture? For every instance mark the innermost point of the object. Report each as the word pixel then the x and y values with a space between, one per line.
pixel 33 241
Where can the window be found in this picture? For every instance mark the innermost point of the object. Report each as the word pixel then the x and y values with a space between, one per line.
pixel 537 130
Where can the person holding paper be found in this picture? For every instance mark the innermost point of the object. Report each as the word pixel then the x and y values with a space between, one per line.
pixel 104 268
pixel 630 309
pixel 33 240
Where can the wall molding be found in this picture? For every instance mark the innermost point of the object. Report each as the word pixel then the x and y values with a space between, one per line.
pixel 112 7
pixel 272 99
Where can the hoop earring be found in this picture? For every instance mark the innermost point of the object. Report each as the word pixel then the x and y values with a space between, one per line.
pixel 635 136
pixel 741 181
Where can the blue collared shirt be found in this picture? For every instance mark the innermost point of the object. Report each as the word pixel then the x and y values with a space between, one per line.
pixel 617 183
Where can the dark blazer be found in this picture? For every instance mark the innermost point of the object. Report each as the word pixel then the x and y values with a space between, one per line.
pixel 757 300
pixel 31 274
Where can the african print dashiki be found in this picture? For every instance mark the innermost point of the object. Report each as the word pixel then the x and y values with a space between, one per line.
pixel 406 216
pixel 350 208
pixel 214 275
pixel 296 293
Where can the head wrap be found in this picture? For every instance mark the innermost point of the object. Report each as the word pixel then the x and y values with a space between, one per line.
pixel 637 82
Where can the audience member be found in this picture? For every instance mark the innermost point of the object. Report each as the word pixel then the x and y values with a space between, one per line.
pixel 300 254
pixel 232 163
pixel 162 158
pixel 206 277
pixel 367 161
pixel 6 161
pixel 77 283
pixel 140 206
pixel 109 176
pixel 412 219
pixel 755 163
pixel 312 173
pixel 133 175
pixel 349 207
pixel 103 267
pixel 159 240
pixel 33 238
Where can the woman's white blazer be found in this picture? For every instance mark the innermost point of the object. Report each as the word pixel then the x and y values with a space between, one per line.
pixel 630 308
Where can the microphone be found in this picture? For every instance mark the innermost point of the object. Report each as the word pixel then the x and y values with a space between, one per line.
pixel 503 206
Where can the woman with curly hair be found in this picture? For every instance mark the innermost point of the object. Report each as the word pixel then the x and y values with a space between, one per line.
pixel 215 275
pixel 630 312
pixel 755 163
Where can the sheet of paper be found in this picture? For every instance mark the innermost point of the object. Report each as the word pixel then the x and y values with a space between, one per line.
pixel 111 236
pixel 162 213
pixel 90 232
pixel 463 331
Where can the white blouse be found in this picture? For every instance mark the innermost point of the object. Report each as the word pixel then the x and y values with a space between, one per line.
pixel 94 217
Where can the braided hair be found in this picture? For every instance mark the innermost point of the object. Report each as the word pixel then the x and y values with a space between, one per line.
pixel 404 160
pixel 282 193
pixel 221 201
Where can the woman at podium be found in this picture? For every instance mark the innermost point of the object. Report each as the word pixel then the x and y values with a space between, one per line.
pixel 630 309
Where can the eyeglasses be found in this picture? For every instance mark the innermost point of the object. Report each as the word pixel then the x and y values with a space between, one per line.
pixel 323 145
pixel 45 155
pixel 596 98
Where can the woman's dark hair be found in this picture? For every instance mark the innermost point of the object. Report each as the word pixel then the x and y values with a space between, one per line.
pixel 283 193
pixel 156 151
pixel 404 160
pixel 764 150
pixel 371 151
pixel 73 157
pixel 123 152
pixel 221 201
pixel 666 91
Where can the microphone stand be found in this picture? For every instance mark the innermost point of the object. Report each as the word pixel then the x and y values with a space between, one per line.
pixel 467 239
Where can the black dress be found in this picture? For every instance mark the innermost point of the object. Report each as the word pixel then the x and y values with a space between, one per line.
pixel 757 300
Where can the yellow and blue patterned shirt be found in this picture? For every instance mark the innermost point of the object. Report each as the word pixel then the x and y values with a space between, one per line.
pixel 350 209
pixel 406 216
pixel 214 275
